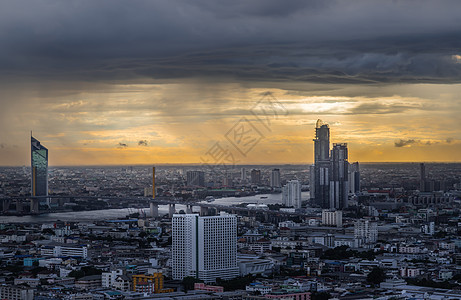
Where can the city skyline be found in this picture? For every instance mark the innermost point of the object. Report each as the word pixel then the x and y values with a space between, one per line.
pixel 162 82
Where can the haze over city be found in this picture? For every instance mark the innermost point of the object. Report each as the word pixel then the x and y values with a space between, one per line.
pixel 160 82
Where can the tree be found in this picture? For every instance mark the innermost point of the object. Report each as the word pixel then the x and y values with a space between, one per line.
pixel 189 282
pixel 376 276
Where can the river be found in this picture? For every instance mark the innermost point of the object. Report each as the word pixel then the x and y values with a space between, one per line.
pixel 108 214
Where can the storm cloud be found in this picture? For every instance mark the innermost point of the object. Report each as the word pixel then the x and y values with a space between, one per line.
pixel 309 41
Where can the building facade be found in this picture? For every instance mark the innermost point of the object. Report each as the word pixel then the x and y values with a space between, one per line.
pixel 332 218
pixel 39 172
pixel 291 194
pixel 195 178
pixel 204 247
pixel 366 230
pixel 255 176
pixel 330 176
pixel 320 178
pixel 339 184
pixel 275 178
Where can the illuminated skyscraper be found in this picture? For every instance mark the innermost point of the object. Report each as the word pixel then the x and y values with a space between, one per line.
pixel 39 164
pixel 320 179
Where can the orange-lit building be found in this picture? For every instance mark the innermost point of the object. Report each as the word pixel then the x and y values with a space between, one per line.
pixel 152 284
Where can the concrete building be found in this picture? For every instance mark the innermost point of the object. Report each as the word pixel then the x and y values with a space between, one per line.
pixel 195 178
pixel 56 250
pixel 291 194
pixel 275 178
pixel 354 178
pixel 14 292
pixel 204 247
pixel 366 230
pixel 108 278
pixel 332 218
pixel 255 176
pixel 339 184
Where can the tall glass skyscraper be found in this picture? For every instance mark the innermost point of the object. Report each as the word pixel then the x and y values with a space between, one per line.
pixel 320 178
pixel 39 164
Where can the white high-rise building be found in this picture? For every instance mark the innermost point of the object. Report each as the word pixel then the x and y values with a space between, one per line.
pixel 291 194
pixel 205 247
pixel 332 218
pixel 366 230
pixel 108 278
pixel 243 174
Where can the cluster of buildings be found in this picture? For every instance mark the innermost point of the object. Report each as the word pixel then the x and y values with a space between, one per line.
pixel 332 245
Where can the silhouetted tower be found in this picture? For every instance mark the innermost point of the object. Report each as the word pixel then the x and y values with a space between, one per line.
pixel 39 166
pixel 320 180
pixel 354 178
pixel 339 183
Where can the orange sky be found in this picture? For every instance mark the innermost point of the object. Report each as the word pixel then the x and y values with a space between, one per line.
pixel 154 123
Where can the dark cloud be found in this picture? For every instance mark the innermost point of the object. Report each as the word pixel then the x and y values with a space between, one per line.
pixel 142 143
pixel 449 140
pixel 358 42
pixel 404 143
pixel 122 145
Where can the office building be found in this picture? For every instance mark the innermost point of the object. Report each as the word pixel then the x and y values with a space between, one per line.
pixel 321 182
pixel 332 218
pixel 291 194
pixel 108 278
pixel 195 178
pixel 39 165
pixel 204 247
pixel 366 230
pixel 243 174
pixel 16 292
pixel 339 184
pixel 354 178
pixel 255 176
pixel 330 176
pixel 275 178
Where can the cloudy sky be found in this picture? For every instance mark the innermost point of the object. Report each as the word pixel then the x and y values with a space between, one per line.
pixel 143 82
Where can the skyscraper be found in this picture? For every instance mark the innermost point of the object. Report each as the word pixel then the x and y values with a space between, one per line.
pixel 329 176
pixel 339 184
pixel 320 179
pixel 204 247
pixel 354 178
pixel 366 230
pixel 291 194
pixel 39 166
pixel 195 178
pixel 275 178
pixel 243 174
pixel 255 176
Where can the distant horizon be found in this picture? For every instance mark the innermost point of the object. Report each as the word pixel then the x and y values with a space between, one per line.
pixel 235 166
